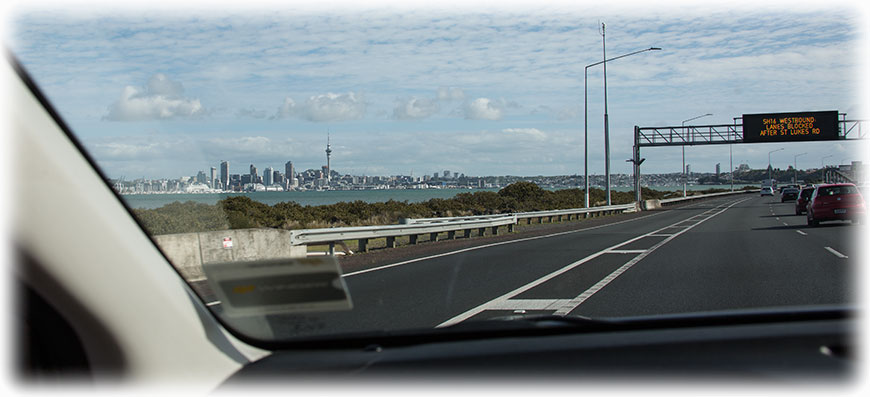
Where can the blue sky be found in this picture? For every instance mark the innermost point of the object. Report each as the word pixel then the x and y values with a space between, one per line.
pixel 471 87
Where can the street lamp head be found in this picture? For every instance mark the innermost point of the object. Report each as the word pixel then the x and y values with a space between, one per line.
pixel 655 49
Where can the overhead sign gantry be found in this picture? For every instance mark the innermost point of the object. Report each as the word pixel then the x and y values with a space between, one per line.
pixel 791 127
pixel 752 128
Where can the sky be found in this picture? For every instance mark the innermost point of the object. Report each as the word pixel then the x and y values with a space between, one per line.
pixel 480 88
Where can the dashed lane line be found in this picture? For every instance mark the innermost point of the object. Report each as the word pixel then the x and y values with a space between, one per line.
pixel 564 306
pixel 837 254
pixel 492 245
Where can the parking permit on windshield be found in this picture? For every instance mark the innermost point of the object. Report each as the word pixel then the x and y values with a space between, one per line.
pixel 279 286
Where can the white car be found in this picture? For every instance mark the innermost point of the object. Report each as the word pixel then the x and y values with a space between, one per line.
pixel 766 191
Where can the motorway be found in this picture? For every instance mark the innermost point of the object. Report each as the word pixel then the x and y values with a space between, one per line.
pixel 733 252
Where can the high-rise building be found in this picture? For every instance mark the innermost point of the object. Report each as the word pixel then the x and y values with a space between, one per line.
pixel 253 172
pixel 289 172
pixel 212 180
pixel 225 175
pixel 268 175
pixel 446 174
pixel 718 169
pixel 200 177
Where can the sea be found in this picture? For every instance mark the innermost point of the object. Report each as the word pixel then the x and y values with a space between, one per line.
pixel 311 197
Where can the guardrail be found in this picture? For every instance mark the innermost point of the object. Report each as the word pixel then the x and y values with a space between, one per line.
pixel 363 234
pixel 575 212
pixel 703 196
pixel 415 227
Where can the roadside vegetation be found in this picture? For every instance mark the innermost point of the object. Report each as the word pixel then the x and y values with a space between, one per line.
pixel 241 212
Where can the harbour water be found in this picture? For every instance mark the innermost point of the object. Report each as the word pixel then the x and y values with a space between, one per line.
pixel 150 201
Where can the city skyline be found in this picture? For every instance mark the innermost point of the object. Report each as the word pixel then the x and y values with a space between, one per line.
pixel 490 91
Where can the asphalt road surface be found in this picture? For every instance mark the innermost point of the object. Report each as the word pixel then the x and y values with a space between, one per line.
pixel 727 253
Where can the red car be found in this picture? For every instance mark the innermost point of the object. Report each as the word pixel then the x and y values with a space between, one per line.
pixel 800 205
pixel 833 202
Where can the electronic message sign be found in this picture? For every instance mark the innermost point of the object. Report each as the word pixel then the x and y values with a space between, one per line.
pixel 790 127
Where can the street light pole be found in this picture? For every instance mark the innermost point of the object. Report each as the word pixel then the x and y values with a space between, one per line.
pixel 586 124
pixel 823 166
pixel 769 168
pixel 795 165
pixel 606 124
pixel 683 129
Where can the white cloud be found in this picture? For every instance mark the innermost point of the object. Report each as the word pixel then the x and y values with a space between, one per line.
pixel 531 132
pixel 450 93
pixel 415 109
pixel 287 109
pixel 334 107
pixel 160 99
pixel 483 109
pixel 325 107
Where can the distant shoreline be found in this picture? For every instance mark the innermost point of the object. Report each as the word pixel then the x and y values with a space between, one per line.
pixel 326 197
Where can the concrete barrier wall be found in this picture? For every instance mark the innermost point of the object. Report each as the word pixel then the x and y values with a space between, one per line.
pixel 652 205
pixel 189 251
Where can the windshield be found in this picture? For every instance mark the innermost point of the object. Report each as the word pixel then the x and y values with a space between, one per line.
pixel 837 190
pixel 315 172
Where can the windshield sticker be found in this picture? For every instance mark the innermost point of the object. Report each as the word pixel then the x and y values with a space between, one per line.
pixel 279 286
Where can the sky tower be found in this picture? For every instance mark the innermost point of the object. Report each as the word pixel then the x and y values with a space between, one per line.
pixel 328 153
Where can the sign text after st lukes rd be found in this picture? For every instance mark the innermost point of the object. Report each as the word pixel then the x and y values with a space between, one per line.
pixel 790 127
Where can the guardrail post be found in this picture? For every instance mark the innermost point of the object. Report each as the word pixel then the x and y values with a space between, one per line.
pixel 511 228
pixel 495 230
pixel 481 232
pixel 391 242
pixel 559 219
pixel 433 236
pixel 363 245
pixel 332 248
pixel 451 235
pixel 413 238
pixel 466 233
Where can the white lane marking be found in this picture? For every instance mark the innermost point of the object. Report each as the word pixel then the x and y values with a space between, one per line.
pixel 529 304
pixel 833 251
pixel 499 300
pixel 213 303
pixel 801 232
pixel 626 251
pixel 564 310
pixel 785 223
pixel 491 245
